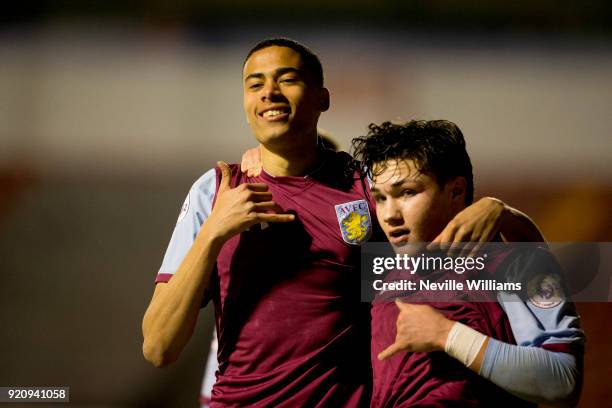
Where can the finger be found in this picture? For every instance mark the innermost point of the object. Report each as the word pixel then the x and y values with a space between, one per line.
pixel 389 351
pixel 458 242
pixel 244 162
pixel 466 248
pixel 438 245
pixel 256 186
pixel 445 238
pixel 259 197
pixel 474 252
pixel 489 233
pixel 250 158
pixel 252 170
pixel 481 238
pixel 279 218
pixel 401 305
pixel 434 245
pixel 226 175
pixel 267 206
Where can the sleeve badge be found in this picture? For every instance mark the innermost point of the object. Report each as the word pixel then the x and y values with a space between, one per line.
pixel 184 208
pixel 545 291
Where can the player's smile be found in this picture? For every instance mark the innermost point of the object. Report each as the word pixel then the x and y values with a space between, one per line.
pixel 280 98
pixel 275 113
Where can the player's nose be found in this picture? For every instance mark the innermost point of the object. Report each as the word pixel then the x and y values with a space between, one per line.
pixel 270 91
pixel 391 213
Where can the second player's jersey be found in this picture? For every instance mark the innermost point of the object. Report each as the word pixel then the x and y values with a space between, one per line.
pixel 435 379
pixel 526 319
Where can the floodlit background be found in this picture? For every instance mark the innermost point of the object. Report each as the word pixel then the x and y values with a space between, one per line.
pixel 108 113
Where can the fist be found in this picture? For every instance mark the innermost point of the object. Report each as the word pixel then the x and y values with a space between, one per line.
pixel 420 328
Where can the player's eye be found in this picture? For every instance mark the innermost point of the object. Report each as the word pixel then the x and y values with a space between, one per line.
pixel 408 193
pixel 255 85
pixel 379 198
pixel 289 80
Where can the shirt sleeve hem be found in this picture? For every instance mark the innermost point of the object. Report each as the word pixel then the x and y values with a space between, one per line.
pixel 568 348
pixel 163 277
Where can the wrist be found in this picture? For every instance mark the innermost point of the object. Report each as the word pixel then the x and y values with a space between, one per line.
pixel 500 206
pixel 210 236
pixel 446 328
pixel 464 343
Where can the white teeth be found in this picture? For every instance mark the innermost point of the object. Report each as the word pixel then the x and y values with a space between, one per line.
pixel 272 113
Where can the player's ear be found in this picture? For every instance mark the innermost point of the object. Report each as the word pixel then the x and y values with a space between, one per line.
pixel 324 100
pixel 458 190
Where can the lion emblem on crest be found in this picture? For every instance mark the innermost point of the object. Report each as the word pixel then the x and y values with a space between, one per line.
pixel 355 226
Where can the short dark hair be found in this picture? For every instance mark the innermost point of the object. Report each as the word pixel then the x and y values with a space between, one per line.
pixel 312 64
pixel 436 146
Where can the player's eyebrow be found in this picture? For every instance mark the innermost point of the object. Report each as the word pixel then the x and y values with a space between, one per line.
pixel 277 72
pixel 288 70
pixel 395 185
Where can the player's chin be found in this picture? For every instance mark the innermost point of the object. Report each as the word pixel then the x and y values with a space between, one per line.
pixel 401 246
pixel 271 135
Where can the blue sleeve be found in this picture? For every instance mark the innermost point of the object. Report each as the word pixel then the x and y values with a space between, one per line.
pixel 546 364
pixel 533 373
pixel 541 315
pixel 554 327
pixel 195 210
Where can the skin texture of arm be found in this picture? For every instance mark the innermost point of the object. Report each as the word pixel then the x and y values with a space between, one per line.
pixel 480 222
pixel 170 318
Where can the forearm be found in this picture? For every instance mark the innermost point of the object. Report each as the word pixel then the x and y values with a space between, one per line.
pixel 516 226
pixel 171 316
pixel 533 373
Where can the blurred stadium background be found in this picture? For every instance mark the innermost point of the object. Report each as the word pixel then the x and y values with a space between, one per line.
pixel 108 113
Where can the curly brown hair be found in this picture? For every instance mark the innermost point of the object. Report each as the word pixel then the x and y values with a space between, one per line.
pixel 437 147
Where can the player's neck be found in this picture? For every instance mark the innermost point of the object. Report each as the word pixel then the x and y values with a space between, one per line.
pixel 290 162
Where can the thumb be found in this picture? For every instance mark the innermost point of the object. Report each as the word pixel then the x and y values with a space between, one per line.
pixel 389 351
pixel 433 245
pixel 244 166
pixel 226 175
pixel 401 305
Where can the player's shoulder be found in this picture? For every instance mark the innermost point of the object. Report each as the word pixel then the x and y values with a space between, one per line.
pixel 536 268
pixel 525 258
pixel 205 181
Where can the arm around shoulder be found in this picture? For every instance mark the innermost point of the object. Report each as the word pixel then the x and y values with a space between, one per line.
pixel 516 226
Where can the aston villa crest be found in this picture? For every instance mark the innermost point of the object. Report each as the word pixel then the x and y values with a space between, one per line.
pixel 354 220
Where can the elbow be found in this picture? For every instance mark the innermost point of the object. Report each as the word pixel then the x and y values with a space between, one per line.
pixel 154 348
pixel 566 394
pixel 157 355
